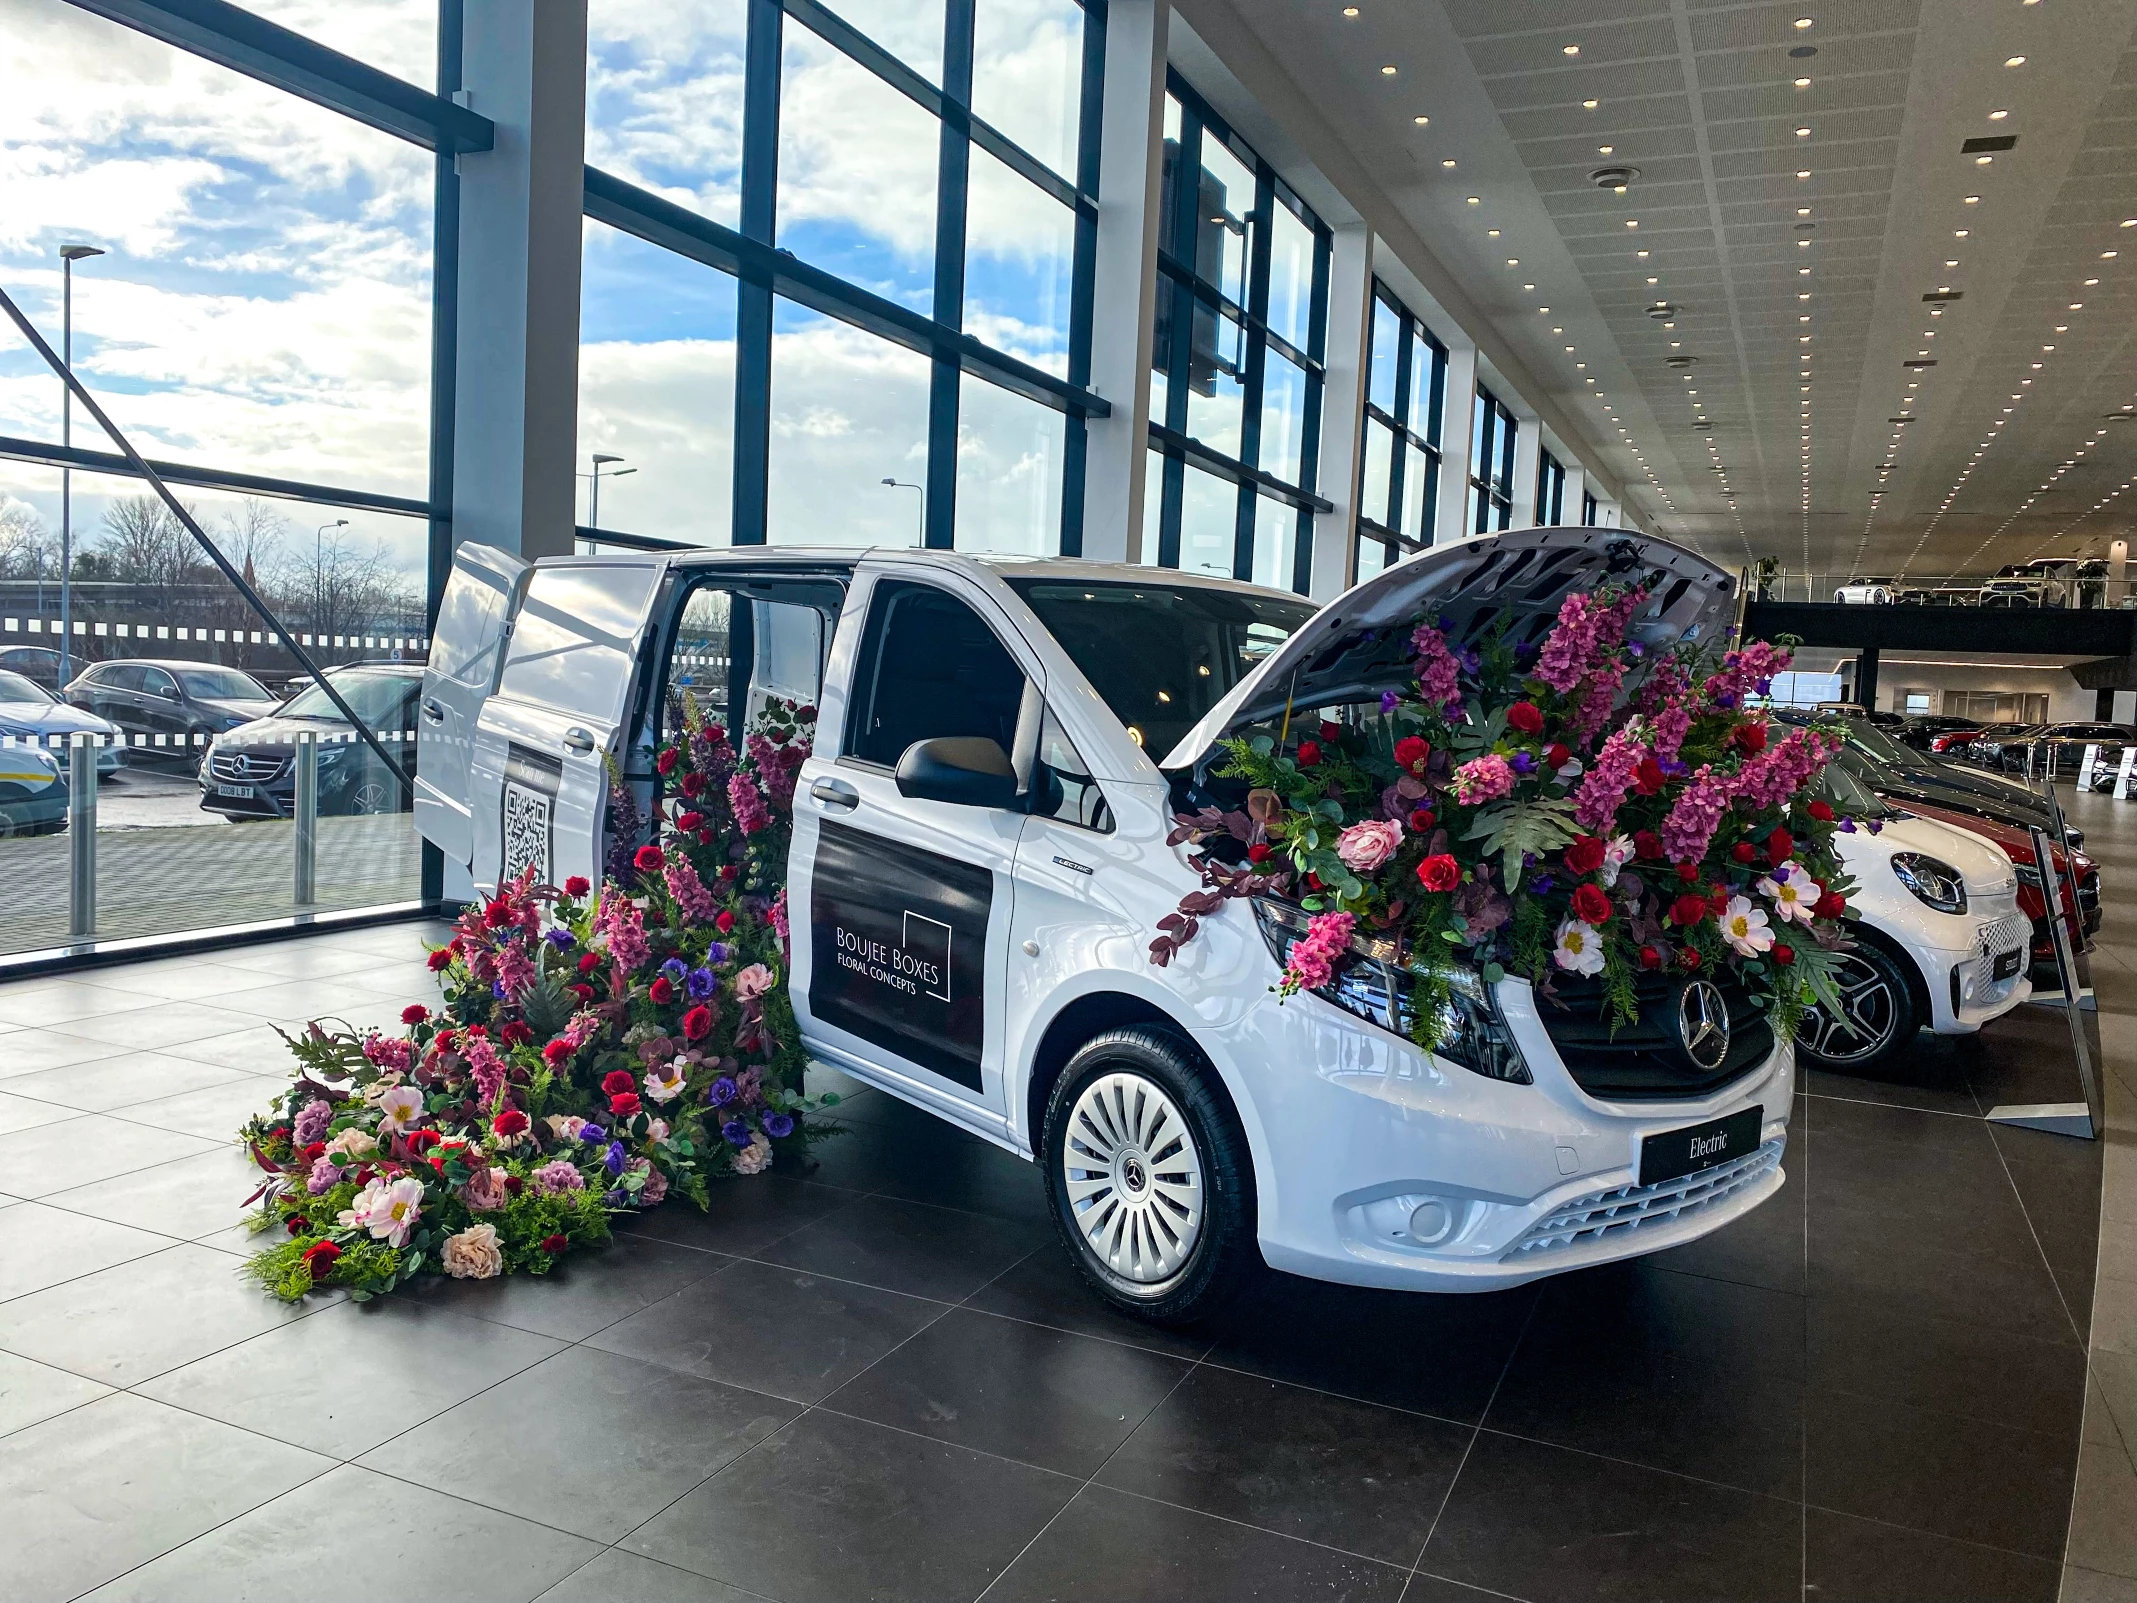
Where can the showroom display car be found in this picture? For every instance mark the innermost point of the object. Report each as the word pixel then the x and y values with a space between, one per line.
pixel 2082 922
pixel 980 854
pixel 1901 774
pixel 250 771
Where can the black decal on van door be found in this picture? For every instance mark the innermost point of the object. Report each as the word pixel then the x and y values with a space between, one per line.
pixel 528 825
pixel 899 949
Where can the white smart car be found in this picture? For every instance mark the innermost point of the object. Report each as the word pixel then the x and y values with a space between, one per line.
pixel 980 860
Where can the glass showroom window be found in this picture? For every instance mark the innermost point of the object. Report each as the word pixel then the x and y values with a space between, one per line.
pixel 1236 388
pixel 902 191
pixel 1587 510
pixel 1406 392
pixel 1550 490
pixel 1491 465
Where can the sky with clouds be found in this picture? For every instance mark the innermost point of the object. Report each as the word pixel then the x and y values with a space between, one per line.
pixel 265 301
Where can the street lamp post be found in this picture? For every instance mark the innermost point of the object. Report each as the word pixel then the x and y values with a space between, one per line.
pixel 899 484
pixel 593 510
pixel 319 572
pixel 68 256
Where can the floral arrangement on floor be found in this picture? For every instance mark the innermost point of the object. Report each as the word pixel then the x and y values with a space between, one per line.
pixel 1513 809
pixel 596 1050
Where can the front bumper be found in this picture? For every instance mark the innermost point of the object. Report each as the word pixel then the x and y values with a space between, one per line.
pixel 1964 993
pixel 1359 1131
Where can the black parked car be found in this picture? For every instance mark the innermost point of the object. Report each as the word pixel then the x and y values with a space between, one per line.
pixel 1902 774
pixel 38 664
pixel 169 702
pixel 251 773
pixel 2067 740
pixel 1920 729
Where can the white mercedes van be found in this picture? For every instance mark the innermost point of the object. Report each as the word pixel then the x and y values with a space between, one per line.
pixel 980 861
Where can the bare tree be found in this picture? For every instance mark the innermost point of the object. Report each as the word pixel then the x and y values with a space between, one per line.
pixel 143 545
pixel 362 592
pixel 28 548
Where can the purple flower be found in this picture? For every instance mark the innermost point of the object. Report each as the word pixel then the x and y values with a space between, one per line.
pixel 721 1091
pixel 613 1159
pixel 1523 763
pixel 1388 700
pixel 715 954
pixel 560 938
pixel 736 1132
pixel 1725 699
pixel 497 989
pixel 1780 875
pixel 1636 650
pixel 1847 826
pixel 675 968
pixel 593 1135
pixel 778 1126
pixel 702 983
pixel 1876 826
pixel 1543 884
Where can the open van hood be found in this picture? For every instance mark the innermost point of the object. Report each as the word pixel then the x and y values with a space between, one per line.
pixel 1359 644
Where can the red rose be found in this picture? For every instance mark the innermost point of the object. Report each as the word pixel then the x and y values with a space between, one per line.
pixel 1783 954
pixel 440 960
pixel 1439 872
pixel 1422 820
pixel 729 872
pixel 1650 958
pixel 296 1224
pixel 1585 855
pixel 704 837
pixel 1309 754
pixel 414 1013
pixel 667 760
pixel 725 922
pixel 1558 756
pixel 624 1104
pixel 1822 811
pixel 1313 881
pixel 589 961
pixel 805 715
pixel 616 1082
pixel 1752 737
pixel 1688 872
pixel 422 1140
pixel 1780 846
pixel 715 733
pixel 577 885
pixel 1260 852
pixel 1688 958
pixel 313 1151
pixel 583 991
pixel 1743 851
pixel 555 1244
pixel 1830 905
pixel 1331 730
pixel 514 1185
pixel 1411 754
pixel 1647 846
pixel 478 1032
pixel 557 1053
pixel 319 1259
pixel 1718 899
pixel 692 784
pixel 1525 716
pixel 779 737
pixel 1591 904
pixel 509 1122
pixel 515 1032
pixel 662 991
pixel 1647 778
pixel 647 858
pixel 688 821
pixel 497 913
pixel 1688 909
pixel 697 1024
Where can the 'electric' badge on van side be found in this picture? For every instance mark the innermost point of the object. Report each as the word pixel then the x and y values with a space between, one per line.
pixel 899 949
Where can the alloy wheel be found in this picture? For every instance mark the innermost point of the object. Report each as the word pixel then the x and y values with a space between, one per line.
pixel 369 797
pixel 1133 1178
pixel 1869 1014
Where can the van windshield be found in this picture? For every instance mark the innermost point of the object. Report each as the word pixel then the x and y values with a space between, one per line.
pixel 1161 655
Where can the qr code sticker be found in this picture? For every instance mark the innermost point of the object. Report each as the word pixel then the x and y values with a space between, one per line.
pixel 526 832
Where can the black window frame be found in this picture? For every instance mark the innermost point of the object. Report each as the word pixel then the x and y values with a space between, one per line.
pixel 1182 293
pixel 1590 509
pixel 1550 488
pixel 1410 331
pixel 1491 496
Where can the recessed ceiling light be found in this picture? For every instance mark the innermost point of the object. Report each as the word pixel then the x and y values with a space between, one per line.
pixel 1654 280
pixel 1590 105
pixel 1350 11
pixel 1803 83
pixel 1421 121
pixel 1513 261
pixel 1528 286
pixel 1448 163
pixel 2091 281
pixel 1641 254
pixel 1803 22
pixel 1803 172
pixel 1973 200
pixel 1803 133
pixel 1604 150
pixel 1951 261
pixel 1632 222
pixel 2077 306
pixel 2015 61
pixel 2109 255
pixel 1998 116
pixel 1958 233
pixel 1543 311
pixel 1476 200
pixel 1983 161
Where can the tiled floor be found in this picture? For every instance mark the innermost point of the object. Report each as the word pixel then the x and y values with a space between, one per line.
pixel 879 1380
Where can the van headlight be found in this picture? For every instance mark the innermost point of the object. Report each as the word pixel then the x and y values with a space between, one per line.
pixel 1465 1025
pixel 1935 883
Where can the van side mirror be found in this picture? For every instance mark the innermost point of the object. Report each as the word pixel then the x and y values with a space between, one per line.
pixel 962 770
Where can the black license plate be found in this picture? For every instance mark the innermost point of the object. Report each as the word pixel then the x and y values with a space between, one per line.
pixel 1675 1153
pixel 2006 964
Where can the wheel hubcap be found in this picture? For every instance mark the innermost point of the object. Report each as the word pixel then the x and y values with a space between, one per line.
pixel 1869 1013
pixel 1133 1177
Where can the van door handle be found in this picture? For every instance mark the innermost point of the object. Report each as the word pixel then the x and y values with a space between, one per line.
pixel 578 739
pixel 835 795
pixel 433 710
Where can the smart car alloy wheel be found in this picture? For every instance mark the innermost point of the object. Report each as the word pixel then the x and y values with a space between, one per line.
pixel 1877 1013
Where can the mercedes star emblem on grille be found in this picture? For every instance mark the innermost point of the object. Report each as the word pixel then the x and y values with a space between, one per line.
pixel 1703 1024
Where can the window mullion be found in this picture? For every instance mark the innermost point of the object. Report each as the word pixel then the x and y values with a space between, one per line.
pixel 952 196
pixel 753 293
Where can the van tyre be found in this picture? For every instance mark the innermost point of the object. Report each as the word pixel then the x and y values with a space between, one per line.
pixel 1881 1020
pixel 1149 1177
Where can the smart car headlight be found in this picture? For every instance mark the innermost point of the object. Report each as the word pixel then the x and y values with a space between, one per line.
pixel 1469 1028
pixel 1935 883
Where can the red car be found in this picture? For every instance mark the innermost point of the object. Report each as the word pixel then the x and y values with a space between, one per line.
pixel 2017 845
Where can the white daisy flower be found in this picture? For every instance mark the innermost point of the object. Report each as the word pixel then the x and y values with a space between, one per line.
pixel 1745 927
pixel 1580 948
pixel 1792 892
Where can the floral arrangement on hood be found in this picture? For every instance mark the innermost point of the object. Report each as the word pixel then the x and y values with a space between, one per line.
pixel 1511 809
pixel 597 1050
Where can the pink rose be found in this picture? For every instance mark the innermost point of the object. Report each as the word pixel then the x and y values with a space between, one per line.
pixel 1364 847
pixel 753 982
pixel 484 1191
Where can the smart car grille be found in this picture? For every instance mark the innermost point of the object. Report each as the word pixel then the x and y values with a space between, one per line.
pixel 2007 934
pixel 1644 1059
pixel 245 767
pixel 1629 1208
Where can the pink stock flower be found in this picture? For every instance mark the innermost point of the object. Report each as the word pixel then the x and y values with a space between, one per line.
pixel 1439 676
pixel 625 928
pixel 486 1066
pixel 1691 822
pixel 515 970
pixel 1775 775
pixel 389 1052
pixel 751 814
pixel 779 915
pixel 1603 788
pixel 697 903
pixel 1482 780
pixel 1666 698
pixel 1365 847
pixel 1597 700
pixel 1570 650
pixel 1746 670
pixel 1313 956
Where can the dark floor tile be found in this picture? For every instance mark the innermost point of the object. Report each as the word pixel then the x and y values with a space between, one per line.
pixel 1127 1549
pixel 1763 1248
pixel 1062 1402
pixel 324 1541
pixel 392 1364
pixel 589 1441
pixel 746 1215
pixel 41 1246
pixel 925 1251
pixel 1046 1289
pixel 584 1293
pixel 75 1152
pixel 94 1492
pixel 1866 1257
pixel 125 1324
pixel 907 1152
pixel 1939 1085
pixel 620 1577
pixel 1964 1478
pixel 1302 1463
pixel 834 1509
pixel 1896 1123
pixel 2058 1200
pixel 1541 1522
pixel 2078 1160
pixel 30 1392
pixel 1699 1377
pixel 1875 1347
pixel 1341 1338
pixel 771 1330
pixel 1855 1561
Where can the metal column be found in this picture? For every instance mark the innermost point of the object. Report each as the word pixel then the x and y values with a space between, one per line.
pixel 306 812
pixel 81 831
